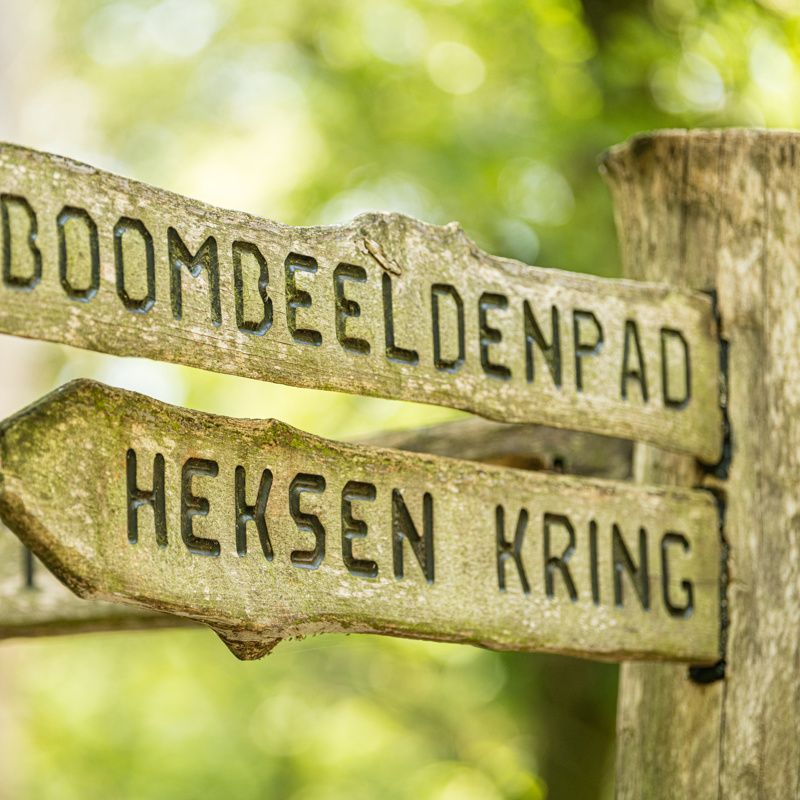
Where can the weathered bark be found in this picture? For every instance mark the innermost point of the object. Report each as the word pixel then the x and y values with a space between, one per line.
pixel 718 210
pixel 522 446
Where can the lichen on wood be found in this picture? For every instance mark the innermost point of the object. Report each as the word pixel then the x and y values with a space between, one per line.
pixel 718 210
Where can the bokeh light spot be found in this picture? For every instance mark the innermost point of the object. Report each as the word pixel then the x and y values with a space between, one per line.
pixel 536 192
pixel 518 240
pixel 455 68
pixel 113 35
pixel 700 83
pixel 395 33
pixel 182 27
pixel 771 66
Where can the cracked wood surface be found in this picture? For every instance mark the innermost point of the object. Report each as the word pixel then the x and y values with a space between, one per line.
pixel 384 305
pixel 263 533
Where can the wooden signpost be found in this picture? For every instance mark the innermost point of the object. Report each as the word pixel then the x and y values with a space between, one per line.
pixel 263 533
pixel 703 209
pixel 385 305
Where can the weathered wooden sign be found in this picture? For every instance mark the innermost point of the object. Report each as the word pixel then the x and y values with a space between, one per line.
pixel 34 603
pixel 263 532
pixel 384 305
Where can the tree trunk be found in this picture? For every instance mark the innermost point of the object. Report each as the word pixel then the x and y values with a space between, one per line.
pixel 718 210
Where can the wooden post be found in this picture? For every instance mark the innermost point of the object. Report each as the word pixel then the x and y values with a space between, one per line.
pixel 718 210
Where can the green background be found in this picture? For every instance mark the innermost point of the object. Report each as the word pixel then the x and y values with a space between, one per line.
pixel 489 112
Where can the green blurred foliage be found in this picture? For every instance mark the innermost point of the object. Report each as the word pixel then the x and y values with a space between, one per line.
pixel 172 715
pixel 491 113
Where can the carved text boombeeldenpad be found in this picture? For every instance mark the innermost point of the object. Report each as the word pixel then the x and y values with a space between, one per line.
pixel 384 305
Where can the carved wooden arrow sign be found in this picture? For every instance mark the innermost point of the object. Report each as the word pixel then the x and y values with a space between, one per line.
pixel 34 603
pixel 263 533
pixel 385 305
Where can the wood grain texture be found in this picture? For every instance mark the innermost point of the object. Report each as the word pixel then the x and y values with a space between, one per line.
pixel 419 560
pixel 727 203
pixel 34 603
pixel 667 227
pixel 384 305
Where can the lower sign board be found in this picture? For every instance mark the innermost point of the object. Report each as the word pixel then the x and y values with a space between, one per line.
pixel 264 533
pixel 384 305
pixel 34 603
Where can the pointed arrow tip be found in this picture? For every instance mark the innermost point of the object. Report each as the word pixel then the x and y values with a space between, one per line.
pixel 248 649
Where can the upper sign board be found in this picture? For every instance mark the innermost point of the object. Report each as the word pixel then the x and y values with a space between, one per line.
pixel 264 533
pixel 384 305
